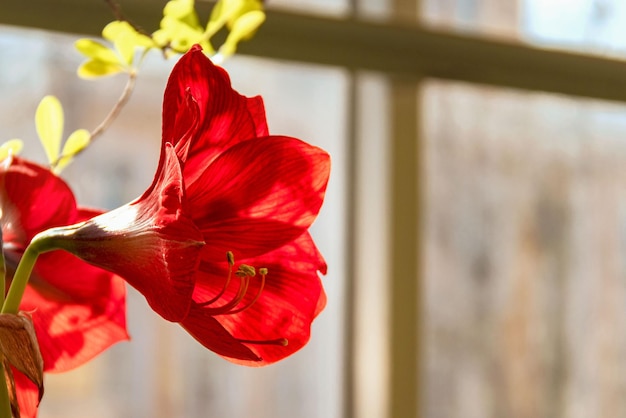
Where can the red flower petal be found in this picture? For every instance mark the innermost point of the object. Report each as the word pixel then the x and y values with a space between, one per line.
pixel 225 116
pixel 78 310
pixel 258 196
pixel 257 112
pixel 49 202
pixel 210 333
pixel 27 395
pixel 291 298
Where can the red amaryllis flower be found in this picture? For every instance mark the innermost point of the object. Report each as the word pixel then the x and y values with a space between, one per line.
pixel 227 198
pixel 78 310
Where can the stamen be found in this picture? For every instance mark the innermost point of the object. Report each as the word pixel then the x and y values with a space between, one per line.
pixel 231 262
pixel 244 273
pixel 244 281
pixel 263 273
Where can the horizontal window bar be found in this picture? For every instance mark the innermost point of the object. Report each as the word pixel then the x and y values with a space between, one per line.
pixel 384 47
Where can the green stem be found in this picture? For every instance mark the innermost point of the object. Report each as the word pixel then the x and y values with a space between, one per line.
pixel 5 400
pixel 20 279
pixel 3 272
pixel 41 243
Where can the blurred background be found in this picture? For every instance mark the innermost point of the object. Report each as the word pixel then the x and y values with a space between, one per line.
pixel 475 222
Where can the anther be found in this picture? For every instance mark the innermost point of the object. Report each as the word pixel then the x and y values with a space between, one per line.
pixel 263 273
pixel 246 270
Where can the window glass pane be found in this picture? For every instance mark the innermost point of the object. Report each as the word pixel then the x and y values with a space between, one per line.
pixel 596 26
pixel 376 9
pixel 163 372
pixel 371 287
pixel 525 233
pixel 592 25
pixel 495 17
pixel 330 7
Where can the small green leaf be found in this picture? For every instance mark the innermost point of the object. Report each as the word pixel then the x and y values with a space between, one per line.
pixel 183 11
pixel 114 29
pixel 11 147
pixel 228 11
pixel 49 124
pixel 243 28
pixel 216 20
pixel 94 69
pixel 126 39
pixel 77 141
pixel 96 51
pixel 243 7
pixel 179 35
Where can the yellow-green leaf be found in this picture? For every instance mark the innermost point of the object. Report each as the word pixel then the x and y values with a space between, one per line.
pixel 94 69
pixel 243 7
pixel 11 147
pixel 49 124
pixel 182 10
pixel 216 20
pixel 114 29
pixel 77 141
pixel 229 10
pixel 126 39
pixel 125 45
pixel 96 51
pixel 179 35
pixel 243 28
pixel 224 9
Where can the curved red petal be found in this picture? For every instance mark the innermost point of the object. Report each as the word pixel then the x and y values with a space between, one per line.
pixel 211 334
pixel 257 112
pixel 78 310
pixel 225 116
pixel 48 203
pixel 27 395
pixel 291 298
pixel 259 195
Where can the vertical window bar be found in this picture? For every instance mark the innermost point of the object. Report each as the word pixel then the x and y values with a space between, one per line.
pixel 350 234
pixel 406 252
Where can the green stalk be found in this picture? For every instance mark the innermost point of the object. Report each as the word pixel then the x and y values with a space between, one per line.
pixel 5 401
pixel 3 272
pixel 41 243
pixel 20 279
